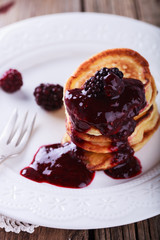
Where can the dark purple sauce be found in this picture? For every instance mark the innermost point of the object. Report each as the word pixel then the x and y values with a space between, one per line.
pixel 128 165
pixel 60 165
pixel 114 118
pixel 127 169
pixel 5 8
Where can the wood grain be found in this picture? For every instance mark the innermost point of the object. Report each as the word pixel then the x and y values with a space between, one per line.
pixel 146 10
pixel 144 230
pixel 23 9
pixel 125 8
pixel 43 233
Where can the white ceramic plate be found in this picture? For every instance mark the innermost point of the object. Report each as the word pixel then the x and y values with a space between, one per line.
pixel 49 49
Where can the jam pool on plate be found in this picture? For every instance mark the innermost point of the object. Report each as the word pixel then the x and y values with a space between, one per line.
pixel 60 165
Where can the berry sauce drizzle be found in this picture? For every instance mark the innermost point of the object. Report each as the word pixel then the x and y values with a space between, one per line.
pixel 60 165
pixel 128 165
pixel 113 116
pixel 127 169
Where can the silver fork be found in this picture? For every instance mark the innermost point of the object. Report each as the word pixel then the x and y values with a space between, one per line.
pixel 14 139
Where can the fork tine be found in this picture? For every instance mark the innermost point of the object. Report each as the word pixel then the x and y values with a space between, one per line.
pixel 27 133
pixel 8 130
pixel 19 132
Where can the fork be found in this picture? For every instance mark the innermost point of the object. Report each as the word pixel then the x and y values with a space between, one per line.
pixel 14 139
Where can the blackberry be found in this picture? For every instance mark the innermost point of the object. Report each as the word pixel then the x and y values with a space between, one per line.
pixel 105 81
pixel 93 86
pixel 11 81
pixel 49 96
pixel 105 71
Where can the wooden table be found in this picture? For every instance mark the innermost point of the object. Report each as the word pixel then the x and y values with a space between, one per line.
pixel 146 10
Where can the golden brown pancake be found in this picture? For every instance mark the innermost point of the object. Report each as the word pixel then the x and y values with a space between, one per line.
pixel 98 147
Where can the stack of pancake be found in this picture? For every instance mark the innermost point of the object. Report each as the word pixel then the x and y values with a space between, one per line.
pixel 97 146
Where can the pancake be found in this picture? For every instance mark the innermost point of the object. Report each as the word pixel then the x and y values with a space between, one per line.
pixel 98 148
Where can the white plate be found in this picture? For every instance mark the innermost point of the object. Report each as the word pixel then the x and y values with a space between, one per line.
pixel 49 49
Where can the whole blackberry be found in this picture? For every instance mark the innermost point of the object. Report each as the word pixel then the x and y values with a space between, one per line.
pixel 105 81
pixel 11 81
pixel 49 96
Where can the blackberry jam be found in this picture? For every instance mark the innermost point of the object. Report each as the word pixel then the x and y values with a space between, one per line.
pixel 60 165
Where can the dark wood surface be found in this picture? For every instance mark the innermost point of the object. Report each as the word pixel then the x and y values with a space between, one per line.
pixel 145 10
